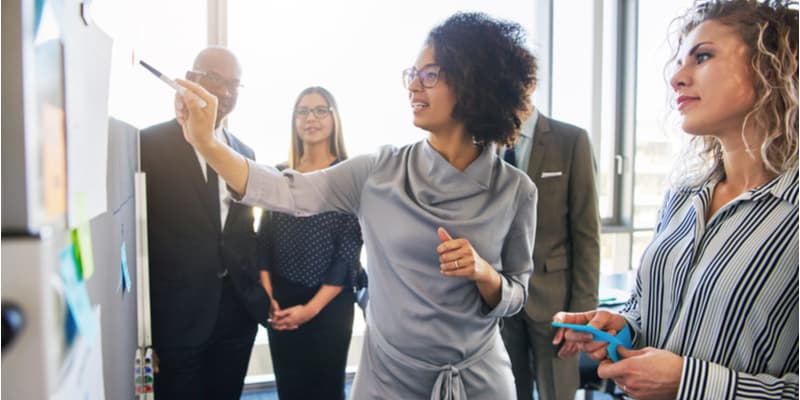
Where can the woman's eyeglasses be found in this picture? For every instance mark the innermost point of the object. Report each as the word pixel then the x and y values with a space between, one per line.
pixel 428 76
pixel 319 112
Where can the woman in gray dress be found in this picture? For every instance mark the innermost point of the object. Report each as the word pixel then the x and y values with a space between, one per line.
pixel 448 226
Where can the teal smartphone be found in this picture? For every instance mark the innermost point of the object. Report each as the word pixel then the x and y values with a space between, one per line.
pixel 623 338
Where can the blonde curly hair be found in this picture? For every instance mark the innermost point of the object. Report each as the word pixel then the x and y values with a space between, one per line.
pixel 769 29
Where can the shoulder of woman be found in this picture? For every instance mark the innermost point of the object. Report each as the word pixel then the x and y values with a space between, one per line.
pixel 523 182
pixel 390 149
pixel 384 153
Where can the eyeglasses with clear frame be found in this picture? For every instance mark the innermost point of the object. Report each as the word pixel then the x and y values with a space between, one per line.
pixel 320 112
pixel 213 79
pixel 428 76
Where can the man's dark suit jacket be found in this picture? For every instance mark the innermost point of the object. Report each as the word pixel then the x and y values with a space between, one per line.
pixel 566 256
pixel 187 252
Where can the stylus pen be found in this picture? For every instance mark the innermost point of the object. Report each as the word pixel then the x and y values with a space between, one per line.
pixel 180 89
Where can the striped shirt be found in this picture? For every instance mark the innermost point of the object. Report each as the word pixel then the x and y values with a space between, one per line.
pixel 724 293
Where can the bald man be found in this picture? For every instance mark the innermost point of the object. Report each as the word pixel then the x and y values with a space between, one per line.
pixel 205 296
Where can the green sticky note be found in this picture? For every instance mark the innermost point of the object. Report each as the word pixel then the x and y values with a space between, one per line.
pixel 82 240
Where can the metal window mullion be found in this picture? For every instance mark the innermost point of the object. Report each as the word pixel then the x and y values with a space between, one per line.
pixel 543 96
pixel 626 143
pixel 217 20
pixel 595 119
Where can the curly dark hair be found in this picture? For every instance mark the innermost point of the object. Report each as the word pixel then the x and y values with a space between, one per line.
pixel 491 72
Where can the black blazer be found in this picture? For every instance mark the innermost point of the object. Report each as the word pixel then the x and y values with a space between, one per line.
pixel 187 251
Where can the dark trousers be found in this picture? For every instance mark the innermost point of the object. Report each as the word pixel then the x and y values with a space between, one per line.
pixel 310 361
pixel 533 357
pixel 214 370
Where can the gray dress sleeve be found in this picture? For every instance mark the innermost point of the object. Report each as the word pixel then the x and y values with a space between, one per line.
pixel 337 188
pixel 517 256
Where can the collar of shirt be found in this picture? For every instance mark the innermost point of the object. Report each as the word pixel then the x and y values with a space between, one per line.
pixel 783 187
pixel 525 141
pixel 528 128
pixel 479 171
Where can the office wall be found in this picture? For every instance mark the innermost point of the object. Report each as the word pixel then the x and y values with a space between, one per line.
pixel 45 359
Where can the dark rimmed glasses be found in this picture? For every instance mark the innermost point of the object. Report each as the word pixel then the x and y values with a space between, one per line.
pixel 212 79
pixel 319 112
pixel 428 76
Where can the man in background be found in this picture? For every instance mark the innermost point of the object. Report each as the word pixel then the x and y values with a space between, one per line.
pixel 558 158
pixel 205 296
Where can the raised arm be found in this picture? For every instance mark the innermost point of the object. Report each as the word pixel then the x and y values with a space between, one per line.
pixel 198 129
pixel 333 189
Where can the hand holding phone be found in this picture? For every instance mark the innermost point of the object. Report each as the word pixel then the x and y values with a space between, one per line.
pixel 623 338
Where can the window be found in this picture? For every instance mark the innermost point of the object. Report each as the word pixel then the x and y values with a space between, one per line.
pixel 598 49
pixel 585 83
pixel 658 140
pixel 356 49
pixel 587 92
pixel 141 34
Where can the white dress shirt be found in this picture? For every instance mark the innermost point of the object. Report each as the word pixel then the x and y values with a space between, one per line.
pixel 224 198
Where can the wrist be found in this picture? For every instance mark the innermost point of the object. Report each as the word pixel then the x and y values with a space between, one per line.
pixel 207 145
pixel 312 308
pixel 487 274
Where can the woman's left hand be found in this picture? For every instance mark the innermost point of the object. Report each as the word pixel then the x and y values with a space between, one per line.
pixel 457 257
pixel 292 317
pixel 648 373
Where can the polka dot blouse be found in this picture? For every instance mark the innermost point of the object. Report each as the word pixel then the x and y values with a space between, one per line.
pixel 315 250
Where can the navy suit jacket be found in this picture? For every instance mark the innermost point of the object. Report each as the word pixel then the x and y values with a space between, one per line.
pixel 187 251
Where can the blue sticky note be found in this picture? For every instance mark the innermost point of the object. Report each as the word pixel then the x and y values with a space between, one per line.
pixel 126 276
pixel 76 295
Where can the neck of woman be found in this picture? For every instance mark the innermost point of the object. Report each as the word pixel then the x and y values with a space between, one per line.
pixel 315 156
pixel 743 164
pixel 456 146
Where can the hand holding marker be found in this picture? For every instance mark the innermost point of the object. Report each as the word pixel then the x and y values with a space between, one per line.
pixel 178 88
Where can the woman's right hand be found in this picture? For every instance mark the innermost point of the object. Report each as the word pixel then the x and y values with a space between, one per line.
pixel 581 341
pixel 274 307
pixel 197 122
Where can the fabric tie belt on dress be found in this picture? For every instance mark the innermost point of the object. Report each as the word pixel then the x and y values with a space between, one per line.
pixel 448 385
